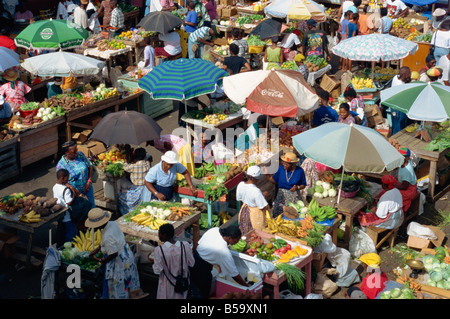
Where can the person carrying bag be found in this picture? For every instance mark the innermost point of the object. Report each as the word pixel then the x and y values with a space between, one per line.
pixel 79 207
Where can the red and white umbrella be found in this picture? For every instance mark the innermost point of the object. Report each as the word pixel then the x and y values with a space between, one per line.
pixel 272 92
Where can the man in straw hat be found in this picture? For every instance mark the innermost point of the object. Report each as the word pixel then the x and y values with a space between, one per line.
pixel 290 179
pixel 15 90
pixel 160 178
pixel 439 15
pixel 121 274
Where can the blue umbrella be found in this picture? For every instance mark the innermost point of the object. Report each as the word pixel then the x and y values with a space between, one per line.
pixel 182 79
pixel 419 2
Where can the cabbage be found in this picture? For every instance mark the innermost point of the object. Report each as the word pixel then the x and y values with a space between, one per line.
pixel 326 185
pixel 304 211
pixel 429 259
pixel 68 244
pixel 332 192
pixel 311 191
pixel 407 294
pixel 325 193
pixel 431 283
pixel 385 295
pixel 441 284
pixel 447 285
pixel 319 183
pixel 300 203
pixel 436 276
pixel 396 292
pixel 318 189
pixel 45 118
pixel 318 195
pixel 443 266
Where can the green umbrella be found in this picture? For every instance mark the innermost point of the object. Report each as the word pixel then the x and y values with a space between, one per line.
pixel 51 34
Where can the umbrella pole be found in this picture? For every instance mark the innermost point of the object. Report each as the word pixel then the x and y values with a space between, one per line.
pixel 372 70
pixel 340 186
pixel 188 135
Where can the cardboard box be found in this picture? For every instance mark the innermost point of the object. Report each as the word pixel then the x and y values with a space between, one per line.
pixel 336 92
pixel 278 120
pixel 228 12
pixel 226 2
pixel 92 148
pixel 329 83
pixel 421 243
pixel 81 137
pixel 319 260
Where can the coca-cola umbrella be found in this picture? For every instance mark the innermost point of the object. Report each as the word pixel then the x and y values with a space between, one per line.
pixel 272 92
pixel 126 127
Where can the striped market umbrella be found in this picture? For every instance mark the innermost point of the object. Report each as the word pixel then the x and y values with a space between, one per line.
pixel 420 101
pixel 51 35
pixel 182 79
pixel 375 47
pixel 355 148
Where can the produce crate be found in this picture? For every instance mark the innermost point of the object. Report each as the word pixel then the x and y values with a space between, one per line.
pixel 229 184
pixel 255 48
pixel 224 286
pixel 8 158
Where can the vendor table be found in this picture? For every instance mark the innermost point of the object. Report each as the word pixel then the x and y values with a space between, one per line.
pixel 147 104
pixel 416 145
pixel 110 55
pixel 179 226
pixel 231 120
pixel 40 141
pixel 248 11
pixel 183 192
pixel 132 16
pixel 86 110
pixel 138 48
pixel 13 222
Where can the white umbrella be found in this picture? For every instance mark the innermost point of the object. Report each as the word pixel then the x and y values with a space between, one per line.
pixel 8 59
pixel 355 148
pixel 62 64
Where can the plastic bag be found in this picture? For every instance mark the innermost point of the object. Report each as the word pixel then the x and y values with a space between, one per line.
pixel 360 243
pixel 417 230
pixel 340 259
pixel 314 296
pixel 326 246
pixel 324 285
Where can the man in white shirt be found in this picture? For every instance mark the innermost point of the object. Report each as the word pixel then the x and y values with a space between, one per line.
pixel 213 250
pixel 80 16
pixel 396 9
pixel 444 63
pixel 290 44
pixel 172 45
pixel 62 10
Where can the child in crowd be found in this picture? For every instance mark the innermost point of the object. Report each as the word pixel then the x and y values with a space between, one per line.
pixel 65 198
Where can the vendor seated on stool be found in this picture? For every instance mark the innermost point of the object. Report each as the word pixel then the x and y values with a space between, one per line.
pixel 172 45
pixel 55 87
pixel 5 111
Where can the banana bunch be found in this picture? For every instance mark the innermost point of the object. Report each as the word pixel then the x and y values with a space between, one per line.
pixel 221 169
pixel 149 220
pixel 411 128
pixel 111 93
pixel 30 217
pixel 320 213
pixel 83 241
pixel 361 83
pixel 203 170
pixel 224 217
pixel 280 225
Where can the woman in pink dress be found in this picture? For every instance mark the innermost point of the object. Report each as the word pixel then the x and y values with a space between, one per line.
pixel 171 259
pixel 14 91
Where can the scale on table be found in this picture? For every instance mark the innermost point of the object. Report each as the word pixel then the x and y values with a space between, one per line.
pixel 416 266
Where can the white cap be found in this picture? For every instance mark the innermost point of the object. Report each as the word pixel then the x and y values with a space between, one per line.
pixel 169 157
pixel 2 99
pixel 439 12
pixel 254 171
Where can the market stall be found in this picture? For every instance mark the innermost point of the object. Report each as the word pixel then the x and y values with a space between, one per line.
pixel 144 221
pixel 9 154
pixel 29 214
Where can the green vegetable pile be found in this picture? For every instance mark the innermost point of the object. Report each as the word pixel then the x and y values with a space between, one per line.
pixel 256 17
pixel 442 140
pixel 213 192
pixel 255 40
pixel 115 169
pixel 290 65
pixel 295 276
pixel 29 106
pixel 398 293
pixel 203 221
pixel 243 20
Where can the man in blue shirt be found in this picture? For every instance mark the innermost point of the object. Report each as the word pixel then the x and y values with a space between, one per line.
pixel 160 178
pixel 324 114
pixel 5 111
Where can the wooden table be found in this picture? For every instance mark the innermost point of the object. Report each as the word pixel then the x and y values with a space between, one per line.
pixel 417 145
pixel 138 47
pixel 39 141
pixel 152 235
pixel 81 112
pixel 109 55
pixel 131 16
pixel 13 222
pixel 231 120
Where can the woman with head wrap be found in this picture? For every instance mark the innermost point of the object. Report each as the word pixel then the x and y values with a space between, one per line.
pixel 388 213
pixel 80 171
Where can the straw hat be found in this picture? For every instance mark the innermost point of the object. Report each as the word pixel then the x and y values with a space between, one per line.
pixel 97 217
pixel 439 12
pixel 290 157
pixel 10 75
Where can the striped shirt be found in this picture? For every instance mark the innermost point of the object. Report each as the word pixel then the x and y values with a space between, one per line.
pixel 202 33
pixel 117 19
pixel 137 171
